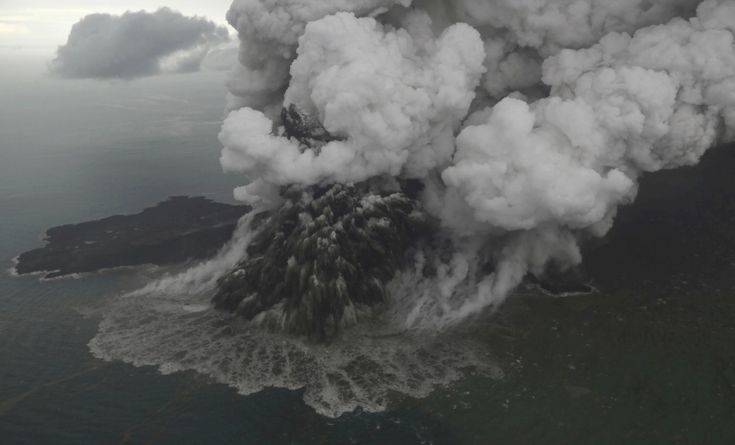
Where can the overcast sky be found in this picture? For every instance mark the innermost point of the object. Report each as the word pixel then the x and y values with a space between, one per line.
pixel 42 25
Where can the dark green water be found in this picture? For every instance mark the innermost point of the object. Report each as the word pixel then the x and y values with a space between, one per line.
pixel 650 360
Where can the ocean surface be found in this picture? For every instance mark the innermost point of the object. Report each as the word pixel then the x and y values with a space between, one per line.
pixel 73 151
pixel 649 359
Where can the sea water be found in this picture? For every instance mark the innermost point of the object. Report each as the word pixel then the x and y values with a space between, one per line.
pixel 649 359
pixel 72 151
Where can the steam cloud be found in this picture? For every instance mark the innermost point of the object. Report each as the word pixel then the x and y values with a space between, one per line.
pixel 529 122
pixel 138 44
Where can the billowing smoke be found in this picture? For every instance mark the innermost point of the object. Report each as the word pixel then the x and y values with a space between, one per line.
pixel 393 99
pixel 138 44
pixel 269 34
pixel 411 163
pixel 528 123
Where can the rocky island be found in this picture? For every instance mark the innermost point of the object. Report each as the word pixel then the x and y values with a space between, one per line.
pixel 324 257
pixel 179 229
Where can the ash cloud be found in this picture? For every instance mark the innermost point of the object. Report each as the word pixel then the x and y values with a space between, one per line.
pixel 138 44
pixel 528 122
pixel 394 98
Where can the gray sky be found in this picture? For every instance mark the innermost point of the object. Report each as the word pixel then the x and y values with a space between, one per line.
pixel 42 25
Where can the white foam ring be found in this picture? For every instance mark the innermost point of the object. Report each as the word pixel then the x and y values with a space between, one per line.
pixel 169 324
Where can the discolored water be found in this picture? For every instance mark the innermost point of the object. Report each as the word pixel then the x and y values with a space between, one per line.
pixel 72 151
pixel 649 359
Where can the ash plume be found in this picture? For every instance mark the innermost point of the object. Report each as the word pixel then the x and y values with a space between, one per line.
pixel 526 123
pixel 138 44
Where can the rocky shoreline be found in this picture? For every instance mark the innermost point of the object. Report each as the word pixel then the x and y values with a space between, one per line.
pixel 179 229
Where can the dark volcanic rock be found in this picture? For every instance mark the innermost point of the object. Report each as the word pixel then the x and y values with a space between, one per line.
pixel 176 230
pixel 305 129
pixel 322 256
pixel 327 252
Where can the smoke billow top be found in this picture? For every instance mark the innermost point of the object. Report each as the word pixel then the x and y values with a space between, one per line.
pixel 527 123
pixel 137 44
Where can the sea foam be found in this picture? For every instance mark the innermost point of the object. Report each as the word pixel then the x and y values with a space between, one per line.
pixel 169 324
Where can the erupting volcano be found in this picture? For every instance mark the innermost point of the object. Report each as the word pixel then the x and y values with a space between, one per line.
pixel 508 132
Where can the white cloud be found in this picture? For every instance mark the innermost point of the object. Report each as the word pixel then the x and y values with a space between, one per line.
pixel 136 44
